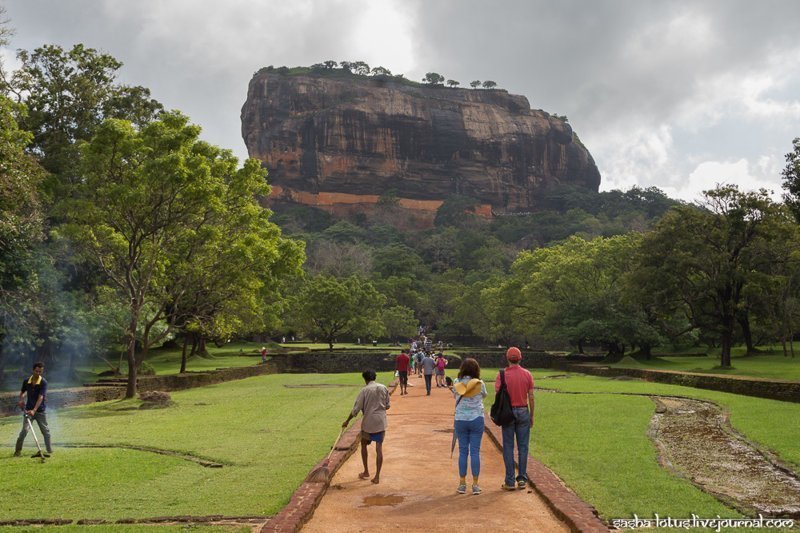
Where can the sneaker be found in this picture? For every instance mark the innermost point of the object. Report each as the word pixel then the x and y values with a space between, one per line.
pixel 522 483
pixel 476 490
pixel 462 489
pixel 507 487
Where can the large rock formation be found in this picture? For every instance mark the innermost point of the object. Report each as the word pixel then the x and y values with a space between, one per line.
pixel 340 141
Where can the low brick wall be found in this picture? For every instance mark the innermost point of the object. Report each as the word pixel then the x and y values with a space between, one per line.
pixel 788 391
pixel 64 397
pixel 83 395
pixel 190 380
pixel 497 359
pixel 340 361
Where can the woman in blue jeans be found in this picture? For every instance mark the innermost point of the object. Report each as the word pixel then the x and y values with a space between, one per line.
pixel 469 392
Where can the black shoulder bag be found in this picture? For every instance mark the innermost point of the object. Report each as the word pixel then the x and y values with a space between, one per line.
pixel 501 412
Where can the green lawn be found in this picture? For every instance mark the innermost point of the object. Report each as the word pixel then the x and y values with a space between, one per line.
pixel 598 444
pixel 767 365
pixel 268 437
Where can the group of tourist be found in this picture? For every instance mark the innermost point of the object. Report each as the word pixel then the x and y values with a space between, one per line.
pixel 469 392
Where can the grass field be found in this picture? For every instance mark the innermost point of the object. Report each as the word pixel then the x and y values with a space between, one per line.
pixel 268 431
pixel 267 436
pixel 598 444
pixel 769 365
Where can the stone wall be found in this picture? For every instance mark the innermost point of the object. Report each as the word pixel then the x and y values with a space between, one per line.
pixel 64 397
pixel 339 361
pixel 83 395
pixel 775 390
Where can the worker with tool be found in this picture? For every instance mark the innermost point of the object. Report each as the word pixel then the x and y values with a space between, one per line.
pixel 34 409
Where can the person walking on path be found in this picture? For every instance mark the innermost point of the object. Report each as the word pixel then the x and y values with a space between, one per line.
pixel 34 408
pixel 469 392
pixel 428 365
pixel 519 384
pixel 373 401
pixel 401 365
pixel 441 362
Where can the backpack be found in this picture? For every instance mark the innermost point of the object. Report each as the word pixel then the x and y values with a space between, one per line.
pixel 501 413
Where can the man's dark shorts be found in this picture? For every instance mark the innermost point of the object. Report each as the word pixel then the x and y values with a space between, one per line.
pixel 403 377
pixel 372 437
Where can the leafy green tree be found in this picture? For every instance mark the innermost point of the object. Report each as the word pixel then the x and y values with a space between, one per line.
pixel 399 323
pixel 453 83
pixel 704 258
pixel 433 78
pixel 580 290
pixel 68 95
pixel 489 84
pixel 330 64
pixel 229 277
pixel 381 71
pixel 398 260
pixel 21 228
pixel 329 308
pixel 475 84
pixel 148 194
pixel 791 179
pixel 360 68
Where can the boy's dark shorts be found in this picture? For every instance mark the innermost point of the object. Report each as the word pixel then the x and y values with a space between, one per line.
pixel 372 437
pixel 403 377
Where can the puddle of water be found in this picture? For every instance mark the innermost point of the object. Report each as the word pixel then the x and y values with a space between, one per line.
pixel 371 501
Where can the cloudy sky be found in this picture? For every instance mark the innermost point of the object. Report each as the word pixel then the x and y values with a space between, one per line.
pixel 675 94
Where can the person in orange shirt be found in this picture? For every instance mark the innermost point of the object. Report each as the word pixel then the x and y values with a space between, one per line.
pixel 519 384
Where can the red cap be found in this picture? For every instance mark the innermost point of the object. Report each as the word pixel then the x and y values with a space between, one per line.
pixel 514 355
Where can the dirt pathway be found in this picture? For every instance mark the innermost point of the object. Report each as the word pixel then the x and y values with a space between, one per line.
pixel 418 481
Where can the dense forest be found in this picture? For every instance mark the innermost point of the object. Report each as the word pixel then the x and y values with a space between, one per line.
pixel 121 229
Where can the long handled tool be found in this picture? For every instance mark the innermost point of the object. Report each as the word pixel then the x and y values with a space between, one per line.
pixel 41 454
pixel 322 473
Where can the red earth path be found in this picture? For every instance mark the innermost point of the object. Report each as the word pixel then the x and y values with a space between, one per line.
pixel 418 484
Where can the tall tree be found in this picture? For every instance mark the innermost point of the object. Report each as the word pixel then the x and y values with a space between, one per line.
pixel 329 308
pixel 21 227
pixel 148 194
pixel 791 179
pixel 68 95
pixel 433 78
pixel 703 258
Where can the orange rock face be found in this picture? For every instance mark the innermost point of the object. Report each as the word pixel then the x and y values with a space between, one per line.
pixel 340 142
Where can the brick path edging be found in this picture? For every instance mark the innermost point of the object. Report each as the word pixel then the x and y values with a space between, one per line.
pixel 308 495
pixel 579 515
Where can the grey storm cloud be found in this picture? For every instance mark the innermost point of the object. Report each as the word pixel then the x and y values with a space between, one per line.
pixel 676 94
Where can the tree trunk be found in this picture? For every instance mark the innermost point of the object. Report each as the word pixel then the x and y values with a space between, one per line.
pixel 647 351
pixel 201 346
pixel 727 341
pixel 130 392
pixel 744 322
pixel 183 354
pixel 580 346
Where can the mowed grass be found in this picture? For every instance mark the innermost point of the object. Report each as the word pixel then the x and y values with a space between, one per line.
pixel 768 365
pixel 267 436
pixel 598 443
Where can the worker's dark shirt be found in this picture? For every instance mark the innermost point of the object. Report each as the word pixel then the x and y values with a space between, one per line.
pixel 35 390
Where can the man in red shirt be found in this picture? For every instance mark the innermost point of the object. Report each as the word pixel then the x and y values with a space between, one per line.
pixel 519 384
pixel 401 366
